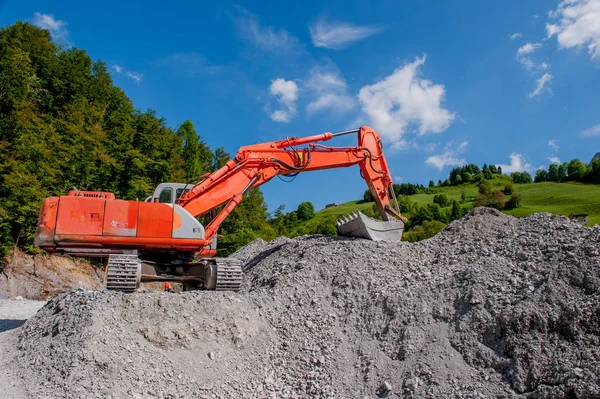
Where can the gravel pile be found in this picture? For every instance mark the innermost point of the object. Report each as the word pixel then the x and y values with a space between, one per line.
pixel 491 307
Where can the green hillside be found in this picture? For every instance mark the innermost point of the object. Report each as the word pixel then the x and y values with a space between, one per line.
pixel 558 198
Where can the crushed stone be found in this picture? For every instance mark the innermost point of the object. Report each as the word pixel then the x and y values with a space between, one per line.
pixel 491 307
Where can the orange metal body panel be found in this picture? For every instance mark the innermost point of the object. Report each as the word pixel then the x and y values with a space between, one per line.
pixel 80 215
pixel 120 218
pixel 155 220
pixel 90 222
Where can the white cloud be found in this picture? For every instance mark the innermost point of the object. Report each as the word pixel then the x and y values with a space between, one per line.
pixel 449 157
pixel 525 60
pixel 57 28
pixel 553 144
pixel 517 164
pixel 281 116
pixel 541 83
pixel 334 102
pixel 331 90
pixel 136 76
pixel 285 90
pixel 578 25
pixel 591 132
pixel 286 93
pixel 404 99
pixel 528 48
pixel 515 36
pixel 337 35
pixel 554 159
pixel 264 37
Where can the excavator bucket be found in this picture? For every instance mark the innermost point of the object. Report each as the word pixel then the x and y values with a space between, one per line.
pixel 360 225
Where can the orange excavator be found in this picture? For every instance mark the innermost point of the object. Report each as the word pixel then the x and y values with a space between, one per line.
pixel 162 238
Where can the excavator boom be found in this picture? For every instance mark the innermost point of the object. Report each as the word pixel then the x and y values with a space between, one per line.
pixel 257 164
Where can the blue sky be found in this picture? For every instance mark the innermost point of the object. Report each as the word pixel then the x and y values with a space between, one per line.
pixel 508 82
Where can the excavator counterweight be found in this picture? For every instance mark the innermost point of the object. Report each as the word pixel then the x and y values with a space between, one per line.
pixel 162 238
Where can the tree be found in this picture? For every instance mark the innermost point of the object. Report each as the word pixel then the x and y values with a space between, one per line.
pixel 442 200
pixel 424 231
pixel 521 177
pixel 509 188
pixel 553 172
pixel 481 200
pixel 497 199
pixel 456 212
pixel 367 196
pixel 220 158
pixel 467 177
pixel 405 204
pixel 562 172
pixel 484 188
pixel 431 184
pixel 514 201
pixel 576 170
pixel 326 227
pixel 541 176
pixel 197 156
pixel 305 211
pixel 594 173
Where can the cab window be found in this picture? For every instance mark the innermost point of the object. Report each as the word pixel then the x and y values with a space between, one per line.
pixel 165 196
pixel 180 192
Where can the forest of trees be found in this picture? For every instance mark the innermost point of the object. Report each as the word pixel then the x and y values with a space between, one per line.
pixel 64 124
pixel 575 170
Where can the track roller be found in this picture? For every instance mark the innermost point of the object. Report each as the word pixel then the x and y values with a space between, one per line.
pixel 223 274
pixel 123 273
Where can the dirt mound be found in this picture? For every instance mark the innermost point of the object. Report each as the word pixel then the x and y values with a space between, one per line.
pixel 493 306
pixel 40 277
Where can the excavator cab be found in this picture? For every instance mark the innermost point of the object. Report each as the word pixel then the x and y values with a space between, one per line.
pixel 168 193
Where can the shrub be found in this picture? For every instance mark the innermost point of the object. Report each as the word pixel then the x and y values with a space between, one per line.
pixel 509 189
pixel 514 201
pixel 497 199
pixel 305 211
pixel 426 230
pixel 442 200
pixel 484 188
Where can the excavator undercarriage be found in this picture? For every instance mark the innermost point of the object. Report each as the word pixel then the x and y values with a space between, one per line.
pixel 125 272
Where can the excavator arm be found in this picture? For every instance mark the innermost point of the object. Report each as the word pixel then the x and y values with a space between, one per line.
pixel 255 165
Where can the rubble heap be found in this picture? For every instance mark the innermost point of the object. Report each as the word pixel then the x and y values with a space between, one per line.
pixel 493 306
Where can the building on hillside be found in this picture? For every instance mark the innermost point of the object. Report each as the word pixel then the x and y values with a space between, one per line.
pixel 581 218
pixel 331 205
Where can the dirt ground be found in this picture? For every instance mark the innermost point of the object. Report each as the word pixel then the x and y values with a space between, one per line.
pixel 41 277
